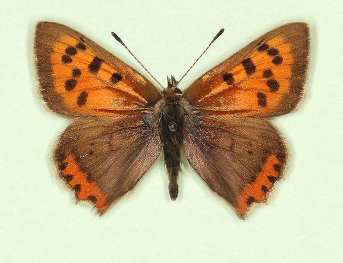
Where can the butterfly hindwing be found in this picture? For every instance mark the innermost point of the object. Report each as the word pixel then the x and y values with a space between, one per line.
pixel 78 77
pixel 239 158
pixel 265 78
pixel 103 158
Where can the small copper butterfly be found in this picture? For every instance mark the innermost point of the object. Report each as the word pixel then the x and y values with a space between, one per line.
pixel 122 122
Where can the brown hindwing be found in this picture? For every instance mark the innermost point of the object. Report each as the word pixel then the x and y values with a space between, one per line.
pixel 103 158
pixel 239 158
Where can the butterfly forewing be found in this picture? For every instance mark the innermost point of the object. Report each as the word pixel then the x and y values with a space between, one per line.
pixel 265 78
pixel 78 77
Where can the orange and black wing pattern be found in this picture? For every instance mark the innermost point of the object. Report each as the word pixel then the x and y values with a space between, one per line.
pixel 266 78
pixel 78 77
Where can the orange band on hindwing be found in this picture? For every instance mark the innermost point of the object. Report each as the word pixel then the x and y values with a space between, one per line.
pixel 257 190
pixel 77 180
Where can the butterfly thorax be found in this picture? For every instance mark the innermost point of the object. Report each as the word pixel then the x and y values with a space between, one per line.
pixel 171 126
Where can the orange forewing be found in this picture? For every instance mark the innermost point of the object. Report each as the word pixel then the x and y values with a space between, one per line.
pixel 265 78
pixel 78 77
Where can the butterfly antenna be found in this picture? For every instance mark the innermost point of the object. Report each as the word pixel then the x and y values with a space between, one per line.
pixel 123 44
pixel 214 39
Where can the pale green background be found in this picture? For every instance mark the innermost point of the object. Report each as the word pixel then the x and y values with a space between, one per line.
pixel 39 221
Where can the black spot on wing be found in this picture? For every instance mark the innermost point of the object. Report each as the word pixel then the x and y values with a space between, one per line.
pixel 70 51
pixel 70 84
pixel 81 45
pixel 82 98
pixel 249 66
pixel 95 65
pixel 261 99
pixel 66 59
pixel 115 78
pixel 273 85
pixel 228 78
pixel 76 73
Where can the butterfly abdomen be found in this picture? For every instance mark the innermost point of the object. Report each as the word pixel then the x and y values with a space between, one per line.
pixel 172 133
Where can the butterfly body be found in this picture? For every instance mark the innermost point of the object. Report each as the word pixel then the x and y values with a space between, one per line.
pixel 171 113
pixel 122 122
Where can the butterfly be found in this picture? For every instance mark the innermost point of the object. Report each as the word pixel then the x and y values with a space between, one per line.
pixel 122 123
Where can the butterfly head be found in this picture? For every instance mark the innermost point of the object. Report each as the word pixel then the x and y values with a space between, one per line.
pixel 172 95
